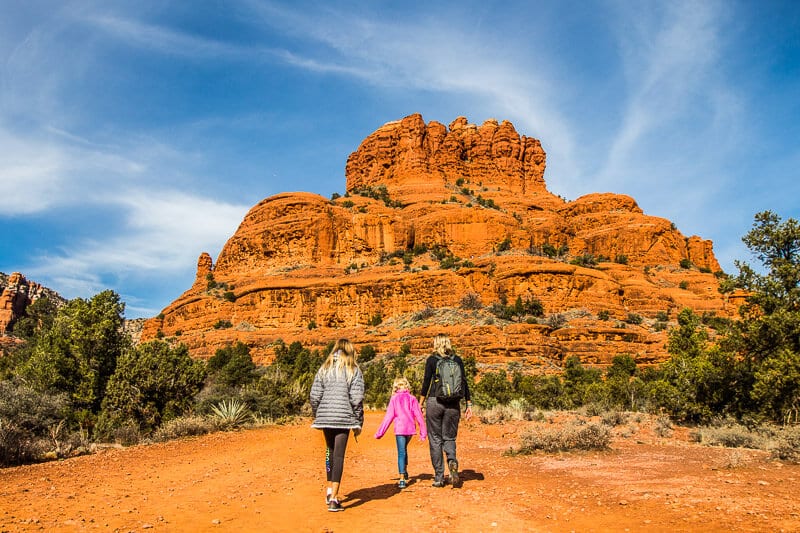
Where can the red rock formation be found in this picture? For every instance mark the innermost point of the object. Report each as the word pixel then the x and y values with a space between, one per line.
pixel 302 267
pixel 16 293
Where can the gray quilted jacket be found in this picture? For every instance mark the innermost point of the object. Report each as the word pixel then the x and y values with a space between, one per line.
pixel 337 403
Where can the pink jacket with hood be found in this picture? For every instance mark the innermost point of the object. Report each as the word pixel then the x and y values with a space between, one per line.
pixel 404 410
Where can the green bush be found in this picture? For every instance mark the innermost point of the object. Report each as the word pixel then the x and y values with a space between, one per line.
pixel 634 318
pixel 367 353
pixel 153 383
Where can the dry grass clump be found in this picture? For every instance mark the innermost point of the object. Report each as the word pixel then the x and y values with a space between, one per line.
pixel 185 426
pixel 787 447
pixel 515 410
pixel 736 459
pixel 574 435
pixel 663 426
pixel 615 418
pixel 730 435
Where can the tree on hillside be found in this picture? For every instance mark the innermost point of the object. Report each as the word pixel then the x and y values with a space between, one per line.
pixel 153 383
pixel 768 337
pixel 78 353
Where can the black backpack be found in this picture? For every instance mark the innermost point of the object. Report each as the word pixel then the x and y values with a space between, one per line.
pixel 448 383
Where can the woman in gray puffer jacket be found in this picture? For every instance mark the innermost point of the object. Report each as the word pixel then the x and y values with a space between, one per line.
pixel 337 397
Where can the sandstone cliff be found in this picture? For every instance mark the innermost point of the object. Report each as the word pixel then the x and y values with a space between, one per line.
pixel 16 294
pixel 438 224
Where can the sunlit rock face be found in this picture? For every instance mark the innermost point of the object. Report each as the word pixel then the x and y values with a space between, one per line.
pixel 437 224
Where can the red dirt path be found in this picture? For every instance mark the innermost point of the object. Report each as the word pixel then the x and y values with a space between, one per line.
pixel 271 479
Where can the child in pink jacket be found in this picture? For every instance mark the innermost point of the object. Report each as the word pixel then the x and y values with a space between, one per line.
pixel 404 410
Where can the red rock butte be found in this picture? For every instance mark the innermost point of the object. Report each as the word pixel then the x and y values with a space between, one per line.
pixel 438 224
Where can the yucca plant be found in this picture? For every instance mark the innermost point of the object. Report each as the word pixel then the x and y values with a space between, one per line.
pixel 230 413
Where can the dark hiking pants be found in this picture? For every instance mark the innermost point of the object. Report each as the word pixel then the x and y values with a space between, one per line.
pixel 442 419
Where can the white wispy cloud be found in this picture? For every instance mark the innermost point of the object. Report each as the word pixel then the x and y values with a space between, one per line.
pixel 164 231
pixel 425 55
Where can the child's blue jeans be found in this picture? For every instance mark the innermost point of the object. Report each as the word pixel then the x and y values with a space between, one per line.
pixel 402 452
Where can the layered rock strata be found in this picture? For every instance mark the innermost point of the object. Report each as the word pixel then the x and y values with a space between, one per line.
pixel 432 214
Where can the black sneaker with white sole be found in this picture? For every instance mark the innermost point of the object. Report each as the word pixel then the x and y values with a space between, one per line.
pixel 334 506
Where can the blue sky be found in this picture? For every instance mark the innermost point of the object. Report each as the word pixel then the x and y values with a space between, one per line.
pixel 136 135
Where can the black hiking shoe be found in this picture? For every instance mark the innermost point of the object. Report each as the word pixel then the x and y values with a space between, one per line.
pixel 334 506
pixel 454 479
pixel 438 483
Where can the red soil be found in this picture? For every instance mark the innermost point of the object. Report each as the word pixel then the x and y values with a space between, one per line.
pixel 272 479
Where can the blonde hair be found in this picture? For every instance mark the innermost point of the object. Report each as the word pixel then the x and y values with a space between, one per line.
pixel 400 383
pixel 442 346
pixel 341 360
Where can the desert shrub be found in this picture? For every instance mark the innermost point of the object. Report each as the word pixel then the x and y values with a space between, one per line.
pixel 567 437
pixel 504 245
pixel 471 300
pixel 377 384
pixel 663 426
pixel 686 263
pixel 557 321
pixel 659 326
pixel 223 324
pixel 603 314
pixel 153 383
pixel 229 296
pixel 376 319
pixel 183 426
pixel 585 260
pixel 27 421
pixel 634 318
pixel 622 259
pixel 127 434
pixel 730 435
pixel 494 386
pixel 788 445
pixel 662 316
pixel 18 446
pixel 514 410
pixel 614 418
pixel 367 353
pixel 231 366
pixel 543 392
pixel 683 285
pixel 424 313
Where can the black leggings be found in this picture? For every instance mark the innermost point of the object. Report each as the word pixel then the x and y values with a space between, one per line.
pixel 336 444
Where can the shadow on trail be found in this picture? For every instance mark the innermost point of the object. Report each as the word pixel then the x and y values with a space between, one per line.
pixel 387 490
pixel 362 496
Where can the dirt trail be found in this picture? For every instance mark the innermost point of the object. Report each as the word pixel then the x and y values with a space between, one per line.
pixel 272 479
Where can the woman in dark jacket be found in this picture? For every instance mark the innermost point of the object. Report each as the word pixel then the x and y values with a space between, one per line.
pixel 442 416
pixel 337 396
